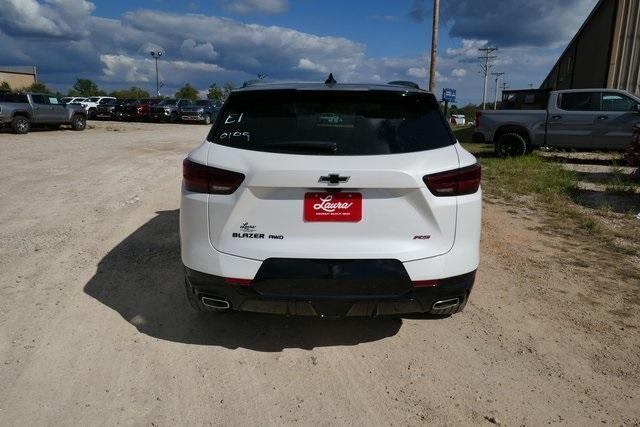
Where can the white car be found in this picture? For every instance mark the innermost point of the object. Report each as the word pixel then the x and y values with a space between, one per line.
pixel 375 212
pixel 91 104
pixel 72 100
pixel 458 119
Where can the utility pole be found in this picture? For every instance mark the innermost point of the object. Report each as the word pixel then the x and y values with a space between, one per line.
pixel 485 67
pixel 495 99
pixel 434 45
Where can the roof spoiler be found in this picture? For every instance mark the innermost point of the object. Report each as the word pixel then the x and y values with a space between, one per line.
pixel 404 83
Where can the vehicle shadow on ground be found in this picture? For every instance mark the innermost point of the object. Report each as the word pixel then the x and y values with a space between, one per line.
pixel 142 279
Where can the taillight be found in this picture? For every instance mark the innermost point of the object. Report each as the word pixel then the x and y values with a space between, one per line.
pixel 457 182
pixel 204 179
pixel 478 115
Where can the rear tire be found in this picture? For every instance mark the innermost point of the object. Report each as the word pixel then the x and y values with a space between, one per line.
pixel 92 114
pixel 173 118
pixel 20 125
pixel 78 122
pixel 511 145
pixel 196 304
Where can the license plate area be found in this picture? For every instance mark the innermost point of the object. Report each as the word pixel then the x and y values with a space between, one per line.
pixel 332 207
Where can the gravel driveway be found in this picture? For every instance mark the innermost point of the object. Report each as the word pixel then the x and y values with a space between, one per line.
pixel 95 329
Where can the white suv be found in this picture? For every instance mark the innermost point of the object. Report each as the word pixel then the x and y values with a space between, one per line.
pixel 91 104
pixel 330 200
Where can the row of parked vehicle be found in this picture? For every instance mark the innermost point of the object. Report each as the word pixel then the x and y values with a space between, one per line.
pixel 148 109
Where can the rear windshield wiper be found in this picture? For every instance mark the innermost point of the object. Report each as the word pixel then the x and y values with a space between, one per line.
pixel 304 146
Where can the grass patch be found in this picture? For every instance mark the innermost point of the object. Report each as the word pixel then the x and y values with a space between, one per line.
pixel 529 174
pixel 464 134
pixel 621 182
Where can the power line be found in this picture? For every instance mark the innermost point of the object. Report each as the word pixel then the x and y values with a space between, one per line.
pixel 495 99
pixel 485 67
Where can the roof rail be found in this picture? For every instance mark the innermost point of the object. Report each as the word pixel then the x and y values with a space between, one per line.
pixel 404 83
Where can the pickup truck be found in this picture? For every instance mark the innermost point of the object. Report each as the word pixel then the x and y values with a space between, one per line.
pixel 582 119
pixel 168 110
pixel 204 111
pixel 22 110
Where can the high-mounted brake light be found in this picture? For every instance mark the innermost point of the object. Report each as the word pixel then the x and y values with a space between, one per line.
pixel 204 179
pixel 456 182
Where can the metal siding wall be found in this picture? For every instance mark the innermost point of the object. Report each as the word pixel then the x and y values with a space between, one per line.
pixel 624 70
pixel 593 47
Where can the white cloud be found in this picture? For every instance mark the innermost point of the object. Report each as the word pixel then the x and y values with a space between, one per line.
pixel 307 64
pixel 417 72
pixel 203 51
pixel 130 69
pixel 255 6
pixel 459 72
pixel 56 18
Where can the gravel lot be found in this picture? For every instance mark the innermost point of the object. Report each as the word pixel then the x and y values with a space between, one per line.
pixel 95 329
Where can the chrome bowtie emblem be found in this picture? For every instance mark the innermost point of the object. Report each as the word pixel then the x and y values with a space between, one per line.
pixel 333 178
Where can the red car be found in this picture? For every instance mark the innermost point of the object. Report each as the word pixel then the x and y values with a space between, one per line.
pixel 139 110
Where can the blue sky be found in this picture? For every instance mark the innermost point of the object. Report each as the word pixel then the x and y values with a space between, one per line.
pixel 214 41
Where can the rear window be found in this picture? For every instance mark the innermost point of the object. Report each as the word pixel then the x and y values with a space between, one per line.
pixel 332 123
pixel 13 97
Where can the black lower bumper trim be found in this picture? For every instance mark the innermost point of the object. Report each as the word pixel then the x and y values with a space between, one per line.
pixel 411 300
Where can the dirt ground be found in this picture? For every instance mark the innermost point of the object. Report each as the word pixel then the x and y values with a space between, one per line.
pixel 95 327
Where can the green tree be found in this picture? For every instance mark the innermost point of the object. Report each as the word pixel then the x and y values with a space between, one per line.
pixel 5 86
pixel 215 93
pixel 132 92
pixel 188 92
pixel 38 87
pixel 227 88
pixel 469 111
pixel 85 87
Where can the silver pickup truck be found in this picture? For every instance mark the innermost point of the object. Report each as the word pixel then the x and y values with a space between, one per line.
pixel 583 119
pixel 22 110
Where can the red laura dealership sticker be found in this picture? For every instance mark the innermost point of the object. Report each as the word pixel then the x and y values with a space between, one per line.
pixel 339 207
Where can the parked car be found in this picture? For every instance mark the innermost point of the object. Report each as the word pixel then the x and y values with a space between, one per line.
pixel 91 104
pixel 168 110
pixel 112 109
pixel 119 110
pixel 204 110
pixel 376 212
pixel 21 111
pixel 72 100
pixel 584 119
pixel 140 109
pixel 458 120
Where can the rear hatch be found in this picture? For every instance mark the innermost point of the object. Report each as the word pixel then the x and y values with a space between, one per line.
pixel 332 175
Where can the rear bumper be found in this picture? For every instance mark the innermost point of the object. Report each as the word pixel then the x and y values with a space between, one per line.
pixel 256 298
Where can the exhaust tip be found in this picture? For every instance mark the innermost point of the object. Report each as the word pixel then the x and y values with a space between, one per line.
pixel 218 304
pixel 446 304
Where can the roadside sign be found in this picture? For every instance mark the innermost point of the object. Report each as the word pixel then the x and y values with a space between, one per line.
pixel 449 95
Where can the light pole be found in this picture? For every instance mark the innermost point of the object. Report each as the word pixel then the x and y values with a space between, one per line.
pixel 156 54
